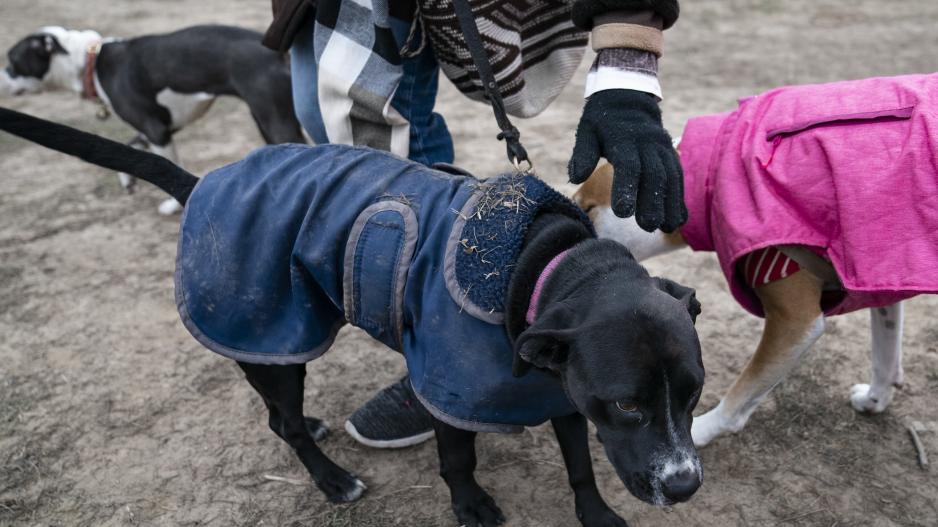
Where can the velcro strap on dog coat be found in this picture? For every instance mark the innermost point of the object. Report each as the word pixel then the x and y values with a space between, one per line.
pixel 377 256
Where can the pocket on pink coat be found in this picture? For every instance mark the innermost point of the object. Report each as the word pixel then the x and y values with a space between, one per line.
pixel 801 126
pixel 796 109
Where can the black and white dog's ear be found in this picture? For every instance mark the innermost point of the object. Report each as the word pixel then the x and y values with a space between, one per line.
pixel 52 45
pixel 685 295
pixel 544 344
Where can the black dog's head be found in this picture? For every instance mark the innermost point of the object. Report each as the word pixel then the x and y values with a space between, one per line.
pixel 625 346
pixel 29 62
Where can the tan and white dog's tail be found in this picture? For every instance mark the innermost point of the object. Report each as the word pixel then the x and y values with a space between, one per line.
pixel 97 150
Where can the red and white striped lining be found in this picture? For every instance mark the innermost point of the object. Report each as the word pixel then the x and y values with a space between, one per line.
pixel 765 266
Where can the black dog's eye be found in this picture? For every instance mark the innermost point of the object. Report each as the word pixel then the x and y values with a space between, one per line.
pixel 629 410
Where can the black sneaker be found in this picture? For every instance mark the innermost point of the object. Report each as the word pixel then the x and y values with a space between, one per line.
pixel 393 418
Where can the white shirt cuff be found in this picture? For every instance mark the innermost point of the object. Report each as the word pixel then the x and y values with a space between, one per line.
pixel 609 78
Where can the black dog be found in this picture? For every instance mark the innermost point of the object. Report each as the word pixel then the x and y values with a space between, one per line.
pixel 622 343
pixel 159 84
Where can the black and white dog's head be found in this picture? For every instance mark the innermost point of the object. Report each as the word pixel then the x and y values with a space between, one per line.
pixel 51 58
pixel 29 61
pixel 625 346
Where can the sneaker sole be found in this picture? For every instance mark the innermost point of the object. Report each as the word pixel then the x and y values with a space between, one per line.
pixel 387 443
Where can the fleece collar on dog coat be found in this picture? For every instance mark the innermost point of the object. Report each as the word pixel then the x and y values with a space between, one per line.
pixel 848 169
pixel 278 251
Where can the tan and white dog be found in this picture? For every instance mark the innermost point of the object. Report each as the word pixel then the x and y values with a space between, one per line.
pixel 793 320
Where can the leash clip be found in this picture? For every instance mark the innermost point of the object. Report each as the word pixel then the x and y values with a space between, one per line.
pixel 516 151
pixel 523 166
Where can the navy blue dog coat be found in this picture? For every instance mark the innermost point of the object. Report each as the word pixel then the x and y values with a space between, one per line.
pixel 278 251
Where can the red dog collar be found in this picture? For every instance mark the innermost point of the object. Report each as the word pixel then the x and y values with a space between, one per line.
pixel 88 90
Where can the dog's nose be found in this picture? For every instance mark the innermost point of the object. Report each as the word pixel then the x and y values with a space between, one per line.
pixel 680 486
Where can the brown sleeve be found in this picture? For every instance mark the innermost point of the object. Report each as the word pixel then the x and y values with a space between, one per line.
pixel 629 29
pixel 289 16
pixel 585 12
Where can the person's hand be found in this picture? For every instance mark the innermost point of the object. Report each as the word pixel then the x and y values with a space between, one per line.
pixel 624 126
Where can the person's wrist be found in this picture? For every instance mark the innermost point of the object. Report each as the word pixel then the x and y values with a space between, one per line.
pixel 625 69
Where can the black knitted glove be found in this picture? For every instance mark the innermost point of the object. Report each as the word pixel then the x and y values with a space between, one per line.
pixel 624 126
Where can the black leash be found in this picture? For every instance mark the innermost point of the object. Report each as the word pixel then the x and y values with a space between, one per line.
pixel 516 152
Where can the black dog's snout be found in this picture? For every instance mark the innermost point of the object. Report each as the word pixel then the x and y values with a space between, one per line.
pixel 680 486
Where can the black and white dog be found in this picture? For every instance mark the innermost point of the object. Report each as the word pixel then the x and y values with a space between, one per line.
pixel 620 344
pixel 158 84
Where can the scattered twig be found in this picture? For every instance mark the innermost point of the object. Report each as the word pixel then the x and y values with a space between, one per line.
pixel 919 448
pixel 282 479
pixel 460 214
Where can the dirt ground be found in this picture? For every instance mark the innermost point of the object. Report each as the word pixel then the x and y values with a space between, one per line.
pixel 111 414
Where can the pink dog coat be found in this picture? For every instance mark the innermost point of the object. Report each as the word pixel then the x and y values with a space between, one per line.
pixel 849 169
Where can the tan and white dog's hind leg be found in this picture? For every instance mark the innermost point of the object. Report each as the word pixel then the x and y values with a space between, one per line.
pixel 793 322
pixel 886 323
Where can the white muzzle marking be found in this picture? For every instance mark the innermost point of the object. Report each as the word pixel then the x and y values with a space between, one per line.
pixel 18 85
pixel 674 460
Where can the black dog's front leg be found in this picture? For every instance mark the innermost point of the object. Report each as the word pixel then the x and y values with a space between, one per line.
pixel 573 436
pixel 281 387
pixel 472 505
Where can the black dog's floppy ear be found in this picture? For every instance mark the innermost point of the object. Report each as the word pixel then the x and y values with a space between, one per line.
pixel 544 344
pixel 686 295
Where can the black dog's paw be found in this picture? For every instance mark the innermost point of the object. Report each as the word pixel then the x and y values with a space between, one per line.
pixel 316 428
pixel 339 486
pixel 601 518
pixel 477 509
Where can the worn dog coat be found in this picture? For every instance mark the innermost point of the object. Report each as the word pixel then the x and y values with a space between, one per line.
pixel 278 251
pixel 848 169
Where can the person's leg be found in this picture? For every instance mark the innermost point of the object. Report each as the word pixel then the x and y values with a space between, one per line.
pixel 394 418
pixel 415 98
pixel 305 80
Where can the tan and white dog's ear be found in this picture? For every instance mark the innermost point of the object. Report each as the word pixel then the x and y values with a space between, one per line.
pixel 567 189
pixel 597 190
pixel 595 198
